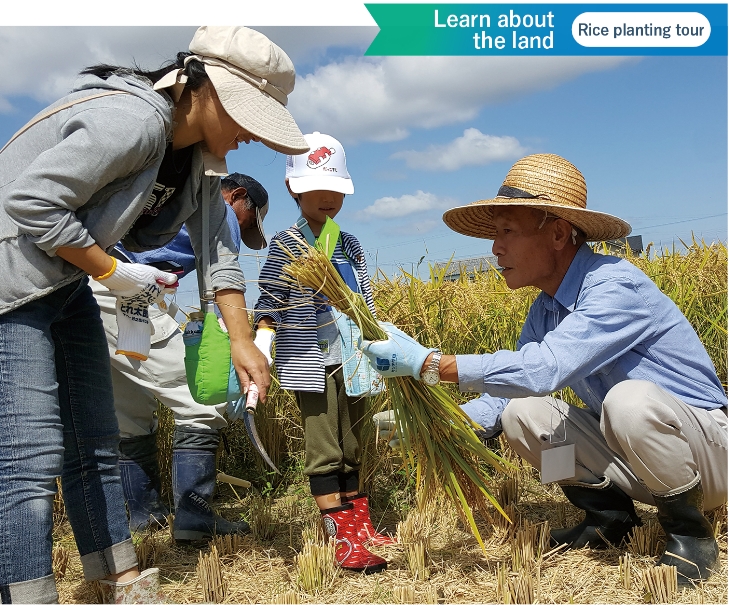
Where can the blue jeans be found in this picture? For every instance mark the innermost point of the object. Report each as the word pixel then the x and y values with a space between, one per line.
pixel 57 419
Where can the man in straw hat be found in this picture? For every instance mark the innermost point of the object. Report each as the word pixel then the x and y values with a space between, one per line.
pixel 654 428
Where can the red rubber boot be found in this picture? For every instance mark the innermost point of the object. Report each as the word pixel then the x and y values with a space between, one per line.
pixel 340 524
pixel 365 530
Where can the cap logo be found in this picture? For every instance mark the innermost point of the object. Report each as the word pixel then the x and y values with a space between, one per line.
pixel 319 157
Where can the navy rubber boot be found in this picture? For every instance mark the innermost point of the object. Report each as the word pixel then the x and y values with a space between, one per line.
pixel 193 483
pixel 140 481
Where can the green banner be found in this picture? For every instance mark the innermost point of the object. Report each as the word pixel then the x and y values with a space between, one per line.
pixel 549 29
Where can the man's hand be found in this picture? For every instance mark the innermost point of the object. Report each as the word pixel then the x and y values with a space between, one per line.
pixel 250 364
pixel 386 428
pixel 486 411
pixel 399 355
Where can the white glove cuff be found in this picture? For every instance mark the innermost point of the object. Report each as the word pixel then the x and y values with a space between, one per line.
pixel 134 337
pixel 127 276
pixel 264 339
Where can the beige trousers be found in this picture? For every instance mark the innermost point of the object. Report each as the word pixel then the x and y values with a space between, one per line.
pixel 646 441
pixel 139 384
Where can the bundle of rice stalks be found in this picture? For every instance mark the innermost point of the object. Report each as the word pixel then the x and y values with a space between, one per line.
pixel 517 587
pixel 404 594
pixel 416 555
pixel 146 550
pixel 60 562
pixel 660 583
pixel 430 595
pixel 720 520
pixel 437 439
pixel 530 545
pixel 263 526
pixel 314 531
pixel 227 544
pixel 624 572
pixel 643 540
pixel 59 507
pixel 210 576
pixel 290 597
pixel 315 566
pixel 508 491
pixel 506 526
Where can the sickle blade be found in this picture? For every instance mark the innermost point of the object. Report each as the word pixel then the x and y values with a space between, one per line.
pixel 250 423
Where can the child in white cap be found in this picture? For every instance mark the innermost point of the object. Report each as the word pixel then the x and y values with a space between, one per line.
pixel 314 350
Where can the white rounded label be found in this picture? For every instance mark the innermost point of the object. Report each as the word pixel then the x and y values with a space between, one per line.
pixel 659 30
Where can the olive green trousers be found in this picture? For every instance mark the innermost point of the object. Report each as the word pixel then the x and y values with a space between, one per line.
pixel 332 426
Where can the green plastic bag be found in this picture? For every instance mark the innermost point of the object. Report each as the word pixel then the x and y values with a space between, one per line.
pixel 210 373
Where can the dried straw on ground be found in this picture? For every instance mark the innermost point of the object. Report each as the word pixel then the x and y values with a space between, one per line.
pixel 437 311
pixel 459 571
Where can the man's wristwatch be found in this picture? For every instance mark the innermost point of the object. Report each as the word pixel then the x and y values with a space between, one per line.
pixel 431 374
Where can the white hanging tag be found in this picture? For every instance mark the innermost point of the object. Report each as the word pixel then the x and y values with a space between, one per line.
pixel 172 309
pixel 558 463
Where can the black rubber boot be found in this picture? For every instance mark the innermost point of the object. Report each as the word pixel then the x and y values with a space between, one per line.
pixel 193 483
pixel 689 535
pixel 140 481
pixel 610 515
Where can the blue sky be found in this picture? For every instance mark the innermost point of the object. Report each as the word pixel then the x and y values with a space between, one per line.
pixel 424 134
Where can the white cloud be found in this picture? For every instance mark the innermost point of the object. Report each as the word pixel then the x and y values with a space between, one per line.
pixel 472 149
pixel 394 207
pixel 355 98
pixel 42 62
pixel 381 99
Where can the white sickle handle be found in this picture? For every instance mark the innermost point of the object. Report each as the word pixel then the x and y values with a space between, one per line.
pixel 252 398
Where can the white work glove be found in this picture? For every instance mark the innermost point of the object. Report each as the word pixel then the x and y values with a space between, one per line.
pixel 138 282
pixel 264 341
pixel 386 428
pixel 136 286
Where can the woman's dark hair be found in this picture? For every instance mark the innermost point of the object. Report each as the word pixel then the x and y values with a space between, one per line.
pixel 195 71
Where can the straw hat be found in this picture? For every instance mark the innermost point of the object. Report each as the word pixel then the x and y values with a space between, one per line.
pixel 547 182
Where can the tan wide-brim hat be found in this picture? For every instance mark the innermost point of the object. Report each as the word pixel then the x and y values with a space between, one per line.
pixel 252 78
pixel 547 182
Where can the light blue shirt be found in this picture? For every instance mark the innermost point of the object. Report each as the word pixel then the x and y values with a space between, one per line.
pixel 608 322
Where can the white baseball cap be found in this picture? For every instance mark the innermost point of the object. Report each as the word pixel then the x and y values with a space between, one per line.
pixel 323 168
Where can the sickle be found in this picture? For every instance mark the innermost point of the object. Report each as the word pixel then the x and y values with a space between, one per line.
pixel 250 423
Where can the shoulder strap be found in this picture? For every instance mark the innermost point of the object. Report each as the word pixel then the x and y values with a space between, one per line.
pixel 327 240
pixel 55 110
pixel 206 295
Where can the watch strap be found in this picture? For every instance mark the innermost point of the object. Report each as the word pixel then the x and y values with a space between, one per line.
pixel 434 365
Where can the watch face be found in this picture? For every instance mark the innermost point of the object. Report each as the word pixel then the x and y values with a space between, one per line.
pixel 431 377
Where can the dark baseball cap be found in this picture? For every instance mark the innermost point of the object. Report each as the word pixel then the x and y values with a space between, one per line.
pixel 254 237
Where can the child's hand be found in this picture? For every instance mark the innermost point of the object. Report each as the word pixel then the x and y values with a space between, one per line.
pixel 264 341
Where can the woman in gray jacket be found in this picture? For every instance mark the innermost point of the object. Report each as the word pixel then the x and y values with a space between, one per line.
pixel 125 156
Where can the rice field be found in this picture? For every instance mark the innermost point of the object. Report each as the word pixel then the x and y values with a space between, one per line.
pixel 437 560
